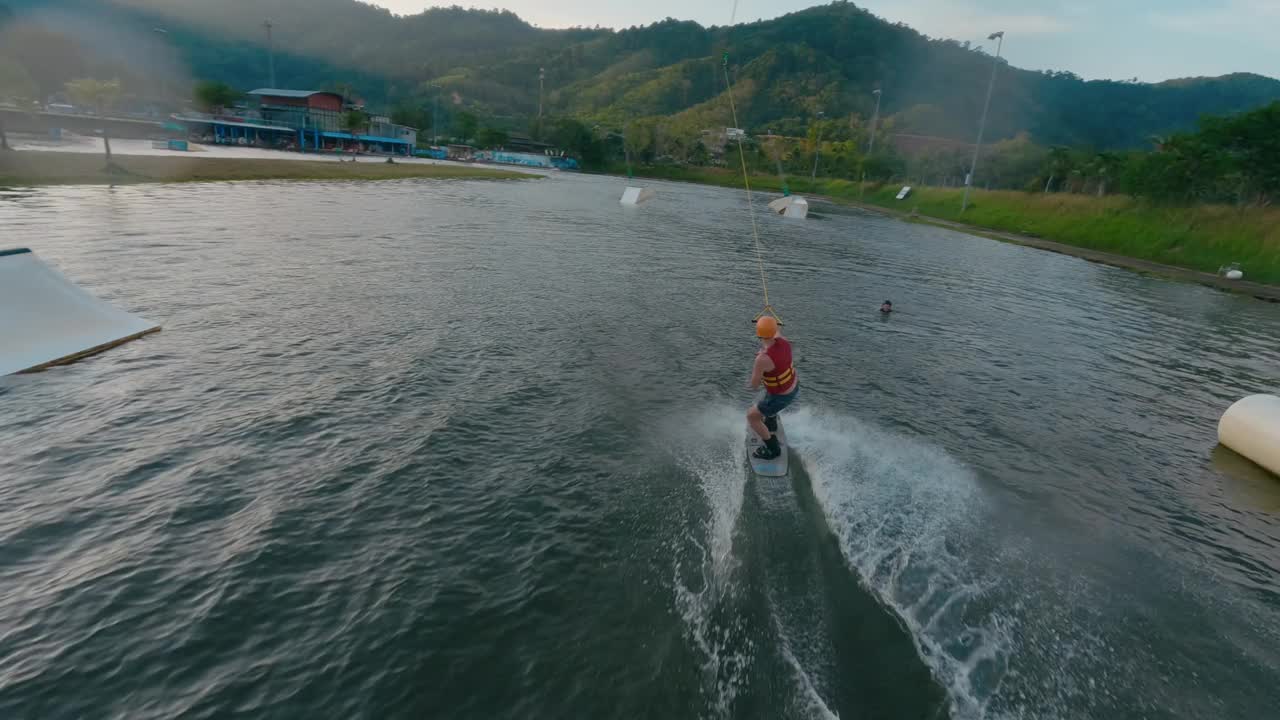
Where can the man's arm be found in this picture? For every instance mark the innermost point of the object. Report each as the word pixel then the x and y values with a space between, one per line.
pixel 762 365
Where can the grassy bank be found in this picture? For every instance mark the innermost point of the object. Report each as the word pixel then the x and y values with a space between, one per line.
pixel 20 169
pixel 1203 237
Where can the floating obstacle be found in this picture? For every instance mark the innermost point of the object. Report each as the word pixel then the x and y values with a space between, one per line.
pixel 1231 272
pixel 1251 427
pixel 45 319
pixel 792 206
pixel 635 195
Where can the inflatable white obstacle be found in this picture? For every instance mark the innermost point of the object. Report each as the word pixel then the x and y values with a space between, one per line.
pixel 45 319
pixel 1251 427
pixel 792 206
pixel 635 195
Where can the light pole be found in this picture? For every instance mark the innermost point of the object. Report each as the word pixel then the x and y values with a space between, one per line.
pixel 982 126
pixel 626 150
pixel 871 145
pixel 271 53
pixel 161 35
pixel 817 147
pixel 777 158
pixel 542 74
pixel 875 119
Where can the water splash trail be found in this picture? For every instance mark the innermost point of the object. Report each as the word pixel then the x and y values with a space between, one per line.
pixel 900 510
pixel 706 596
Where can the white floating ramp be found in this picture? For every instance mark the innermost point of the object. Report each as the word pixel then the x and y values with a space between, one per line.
pixel 792 206
pixel 45 319
pixel 1251 427
pixel 635 196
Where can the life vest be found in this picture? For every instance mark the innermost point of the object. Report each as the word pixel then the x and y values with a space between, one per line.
pixel 782 379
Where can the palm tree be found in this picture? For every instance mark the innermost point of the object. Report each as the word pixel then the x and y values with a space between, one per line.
pixel 101 95
pixel 1059 163
pixel 1106 167
pixel 15 84
pixel 354 122
pixel 214 97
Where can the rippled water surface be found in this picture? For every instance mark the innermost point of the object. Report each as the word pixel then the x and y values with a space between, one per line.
pixel 473 450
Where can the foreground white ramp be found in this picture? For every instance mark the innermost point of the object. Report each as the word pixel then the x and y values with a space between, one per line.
pixel 45 319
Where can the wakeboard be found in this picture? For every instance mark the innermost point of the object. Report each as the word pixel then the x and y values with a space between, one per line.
pixel 776 467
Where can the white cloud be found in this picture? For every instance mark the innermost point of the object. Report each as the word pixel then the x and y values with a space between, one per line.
pixel 1233 16
pixel 967 21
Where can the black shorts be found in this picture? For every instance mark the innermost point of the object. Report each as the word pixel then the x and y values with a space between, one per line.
pixel 772 404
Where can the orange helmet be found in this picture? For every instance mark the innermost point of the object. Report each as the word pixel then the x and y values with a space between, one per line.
pixel 766 327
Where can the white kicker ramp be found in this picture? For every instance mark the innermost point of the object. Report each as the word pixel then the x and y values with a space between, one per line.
pixel 45 319
pixel 791 206
pixel 1251 427
pixel 635 195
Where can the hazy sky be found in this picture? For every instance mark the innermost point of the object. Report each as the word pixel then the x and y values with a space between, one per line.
pixel 1148 39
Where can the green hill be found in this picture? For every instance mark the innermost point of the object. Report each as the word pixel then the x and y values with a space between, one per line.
pixel 824 59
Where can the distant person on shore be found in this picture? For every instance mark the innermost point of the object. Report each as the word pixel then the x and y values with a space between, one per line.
pixel 774 370
pixel 886 307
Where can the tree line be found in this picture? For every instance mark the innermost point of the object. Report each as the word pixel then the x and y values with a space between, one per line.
pixel 1232 159
pixel 1227 159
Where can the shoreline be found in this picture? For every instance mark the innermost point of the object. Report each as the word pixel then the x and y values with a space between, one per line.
pixel 35 168
pixel 1261 291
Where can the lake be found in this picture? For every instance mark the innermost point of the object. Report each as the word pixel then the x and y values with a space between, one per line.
pixel 474 450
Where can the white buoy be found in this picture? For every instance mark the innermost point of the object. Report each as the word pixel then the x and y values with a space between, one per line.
pixel 791 206
pixel 635 195
pixel 45 319
pixel 1251 427
pixel 1235 275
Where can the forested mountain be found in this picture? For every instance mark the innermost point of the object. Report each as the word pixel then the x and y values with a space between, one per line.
pixel 825 59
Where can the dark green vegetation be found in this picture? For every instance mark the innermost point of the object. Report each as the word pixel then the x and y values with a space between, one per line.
pixel 355 121
pixel 24 169
pixel 211 95
pixel 1231 160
